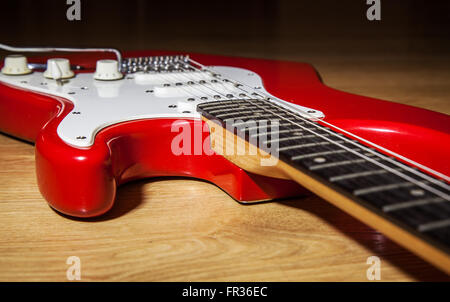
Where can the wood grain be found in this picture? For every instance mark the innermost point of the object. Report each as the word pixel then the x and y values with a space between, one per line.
pixel 185 230
pixel 250 160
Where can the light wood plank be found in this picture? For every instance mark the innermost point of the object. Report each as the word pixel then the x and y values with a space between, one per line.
pixel 185 230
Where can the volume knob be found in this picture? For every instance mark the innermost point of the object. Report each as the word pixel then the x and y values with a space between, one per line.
pixel 62 64
pixel 16 65
pixel 107 70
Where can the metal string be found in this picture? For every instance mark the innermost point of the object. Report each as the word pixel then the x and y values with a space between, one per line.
pixel 408 178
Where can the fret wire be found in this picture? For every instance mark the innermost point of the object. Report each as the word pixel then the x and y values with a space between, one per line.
pixel 334 164
pixel 303 156
pixel 382 188
pixel 302 146
pixel 246 117
pixel 411 203
pixel 234 113
pixel 356 174
pixel 289 138
pixel 433 225
pixel 270 133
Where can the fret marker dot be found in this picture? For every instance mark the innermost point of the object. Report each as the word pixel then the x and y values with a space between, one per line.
pixel 320 160
pixel 417 192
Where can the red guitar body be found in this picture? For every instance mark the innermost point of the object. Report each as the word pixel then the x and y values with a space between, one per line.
pixel 83 181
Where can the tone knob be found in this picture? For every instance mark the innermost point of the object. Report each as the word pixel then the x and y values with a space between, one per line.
pixel 16 65
pixel 60 67
pixel 107 70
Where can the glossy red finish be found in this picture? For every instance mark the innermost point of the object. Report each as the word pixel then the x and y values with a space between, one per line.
pixel 83 181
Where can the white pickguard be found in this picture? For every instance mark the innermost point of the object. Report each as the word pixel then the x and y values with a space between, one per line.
pixel 98 104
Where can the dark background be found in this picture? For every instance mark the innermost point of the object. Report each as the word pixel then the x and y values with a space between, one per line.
pixel 265 28
pixel 404 58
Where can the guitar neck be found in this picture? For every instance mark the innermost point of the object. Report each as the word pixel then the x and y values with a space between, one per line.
pixel 409 206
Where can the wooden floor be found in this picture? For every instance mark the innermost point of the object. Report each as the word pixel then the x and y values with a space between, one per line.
pixel 187 230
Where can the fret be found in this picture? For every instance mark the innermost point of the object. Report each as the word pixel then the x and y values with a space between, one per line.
pixel 434 225
pixel 411 203
pixel 228 109
pixel 335 164
pixel 356 174
pixel 303 156
pixel 306 155
pixel 246 118
pixel 273 132
pixel 288 138
pixel 239 114
pixel 351 183
pixel 382 188
pixel 303 146
pixel 281 124
pixel 397 196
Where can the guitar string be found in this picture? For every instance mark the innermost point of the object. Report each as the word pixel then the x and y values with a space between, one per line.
pixel 422 185
pixel 428 169
pixel 355 152
pixel 412 180
pixel 412 170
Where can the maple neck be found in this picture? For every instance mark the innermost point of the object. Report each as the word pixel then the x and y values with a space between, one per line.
pixel 412 200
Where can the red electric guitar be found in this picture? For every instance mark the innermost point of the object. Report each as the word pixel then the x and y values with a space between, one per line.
pixel 258 129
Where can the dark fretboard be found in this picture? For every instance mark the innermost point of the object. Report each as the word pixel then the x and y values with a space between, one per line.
pixel 400 193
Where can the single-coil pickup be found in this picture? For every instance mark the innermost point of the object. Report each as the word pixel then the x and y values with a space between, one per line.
pixel 199 85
